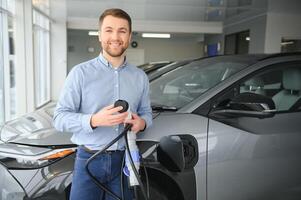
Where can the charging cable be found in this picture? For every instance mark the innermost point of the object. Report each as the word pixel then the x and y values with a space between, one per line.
pixel 134 178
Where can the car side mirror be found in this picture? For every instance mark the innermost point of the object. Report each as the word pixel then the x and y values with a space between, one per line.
pixel 247 105
pixel 178 152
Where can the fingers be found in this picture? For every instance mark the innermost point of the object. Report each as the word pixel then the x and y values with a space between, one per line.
pixel 135 116
pixel 111 109
pixel 108 107
pixel 137 123
pixel 118 117
pixel 108 116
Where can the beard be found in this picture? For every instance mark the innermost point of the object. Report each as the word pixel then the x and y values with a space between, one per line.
pixel 114 52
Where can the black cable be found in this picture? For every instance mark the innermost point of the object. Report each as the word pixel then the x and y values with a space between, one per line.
pixel 102 186
pixel 147 181
pixel 134 168
pixel 98 183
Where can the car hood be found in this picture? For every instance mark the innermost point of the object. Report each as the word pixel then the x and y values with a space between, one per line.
pixel 46 138
pixel 34 129
pixel 46 135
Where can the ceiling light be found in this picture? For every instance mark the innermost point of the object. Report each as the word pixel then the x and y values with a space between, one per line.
pixel 155 35
pixel 287 43
pixel 93 33
pixel 248 38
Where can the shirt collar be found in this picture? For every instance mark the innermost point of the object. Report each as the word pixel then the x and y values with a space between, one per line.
pixel 108 64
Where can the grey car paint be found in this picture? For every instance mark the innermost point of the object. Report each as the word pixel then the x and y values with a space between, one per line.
pixel 241 158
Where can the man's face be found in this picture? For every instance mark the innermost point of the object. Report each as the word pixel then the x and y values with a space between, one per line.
pixel 114 36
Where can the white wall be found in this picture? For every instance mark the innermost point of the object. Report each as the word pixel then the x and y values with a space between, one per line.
pixel 154 49
pixel 278 26
pixel 283 20
pixel 78 43
pixel 24 62
pixel 58 47
pixel 170 49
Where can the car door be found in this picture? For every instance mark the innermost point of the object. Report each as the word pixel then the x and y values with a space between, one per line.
pixel 256 158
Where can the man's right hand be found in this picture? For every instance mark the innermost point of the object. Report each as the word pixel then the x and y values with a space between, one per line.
pixel 108 116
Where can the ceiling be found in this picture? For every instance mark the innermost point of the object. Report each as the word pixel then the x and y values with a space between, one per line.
pixel 193 16
pixel 166 10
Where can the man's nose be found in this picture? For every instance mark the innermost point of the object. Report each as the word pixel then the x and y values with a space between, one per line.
pixel 115 35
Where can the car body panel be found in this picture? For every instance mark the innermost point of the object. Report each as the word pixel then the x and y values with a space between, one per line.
pixel 239 157
pixel 268 163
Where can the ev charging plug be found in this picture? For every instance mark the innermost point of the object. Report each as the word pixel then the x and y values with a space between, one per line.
pixel 133 149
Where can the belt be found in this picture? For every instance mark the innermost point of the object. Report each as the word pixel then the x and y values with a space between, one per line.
pixel 104 152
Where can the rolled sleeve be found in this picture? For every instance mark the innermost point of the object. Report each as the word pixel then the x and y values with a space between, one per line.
pixel 148 120
pixel 145 110
pixel 67 117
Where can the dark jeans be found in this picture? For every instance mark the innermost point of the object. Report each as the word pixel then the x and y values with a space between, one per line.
pixel 106 167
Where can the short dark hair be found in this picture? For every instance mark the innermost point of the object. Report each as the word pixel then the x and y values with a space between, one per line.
pixel 115 12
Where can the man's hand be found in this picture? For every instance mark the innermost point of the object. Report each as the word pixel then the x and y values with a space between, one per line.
pixel 108 116
pixel 137 122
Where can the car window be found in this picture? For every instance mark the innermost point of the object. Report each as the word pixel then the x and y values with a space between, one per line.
pixel 184 84
pixel 282 85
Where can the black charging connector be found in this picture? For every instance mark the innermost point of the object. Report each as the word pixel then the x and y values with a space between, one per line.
pixel 127 127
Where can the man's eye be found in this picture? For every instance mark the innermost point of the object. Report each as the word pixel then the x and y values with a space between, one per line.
pixel 108 31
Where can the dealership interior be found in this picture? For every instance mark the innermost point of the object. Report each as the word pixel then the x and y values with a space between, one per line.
pixel 42 40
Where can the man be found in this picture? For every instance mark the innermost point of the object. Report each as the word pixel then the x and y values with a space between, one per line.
pixel 86 109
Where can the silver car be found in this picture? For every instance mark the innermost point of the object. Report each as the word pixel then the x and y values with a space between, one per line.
pixel 225 127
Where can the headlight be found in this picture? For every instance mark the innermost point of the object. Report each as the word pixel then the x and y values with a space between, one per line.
pixel 17 161
pixel 9 187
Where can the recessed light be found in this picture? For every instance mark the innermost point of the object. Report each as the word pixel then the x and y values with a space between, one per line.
pixel 155 35
pixel 93 33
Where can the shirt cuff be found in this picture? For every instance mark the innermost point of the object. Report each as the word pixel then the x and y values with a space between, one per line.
pixel 86 126
pixel 148 122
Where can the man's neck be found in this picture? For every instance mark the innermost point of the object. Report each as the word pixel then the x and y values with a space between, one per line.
pixel 115 61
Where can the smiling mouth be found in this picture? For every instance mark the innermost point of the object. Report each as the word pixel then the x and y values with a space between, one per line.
pixel 115 44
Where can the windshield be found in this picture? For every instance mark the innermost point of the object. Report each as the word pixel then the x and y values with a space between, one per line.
pixel 186 83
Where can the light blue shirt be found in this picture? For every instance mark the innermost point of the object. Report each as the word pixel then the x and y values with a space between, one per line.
pixel 93 85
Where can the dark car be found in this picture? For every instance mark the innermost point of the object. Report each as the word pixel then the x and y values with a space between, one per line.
pixel 152 66
pixel 224 127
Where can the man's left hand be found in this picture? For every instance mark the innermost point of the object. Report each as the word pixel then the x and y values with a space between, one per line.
pixel 137 122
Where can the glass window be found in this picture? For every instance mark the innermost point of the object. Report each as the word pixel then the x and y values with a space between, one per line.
pixel 12 70
pixel 7 61
pixel 42 5
pixel 1 72
pixel 282 85
pixel 186 83
pixel 41 58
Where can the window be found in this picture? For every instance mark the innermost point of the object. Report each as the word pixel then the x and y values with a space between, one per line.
pixel 237 43
pixel 282 85
pixel 41 31
pixel 7 61
pixel 186 83
pixel 1 71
